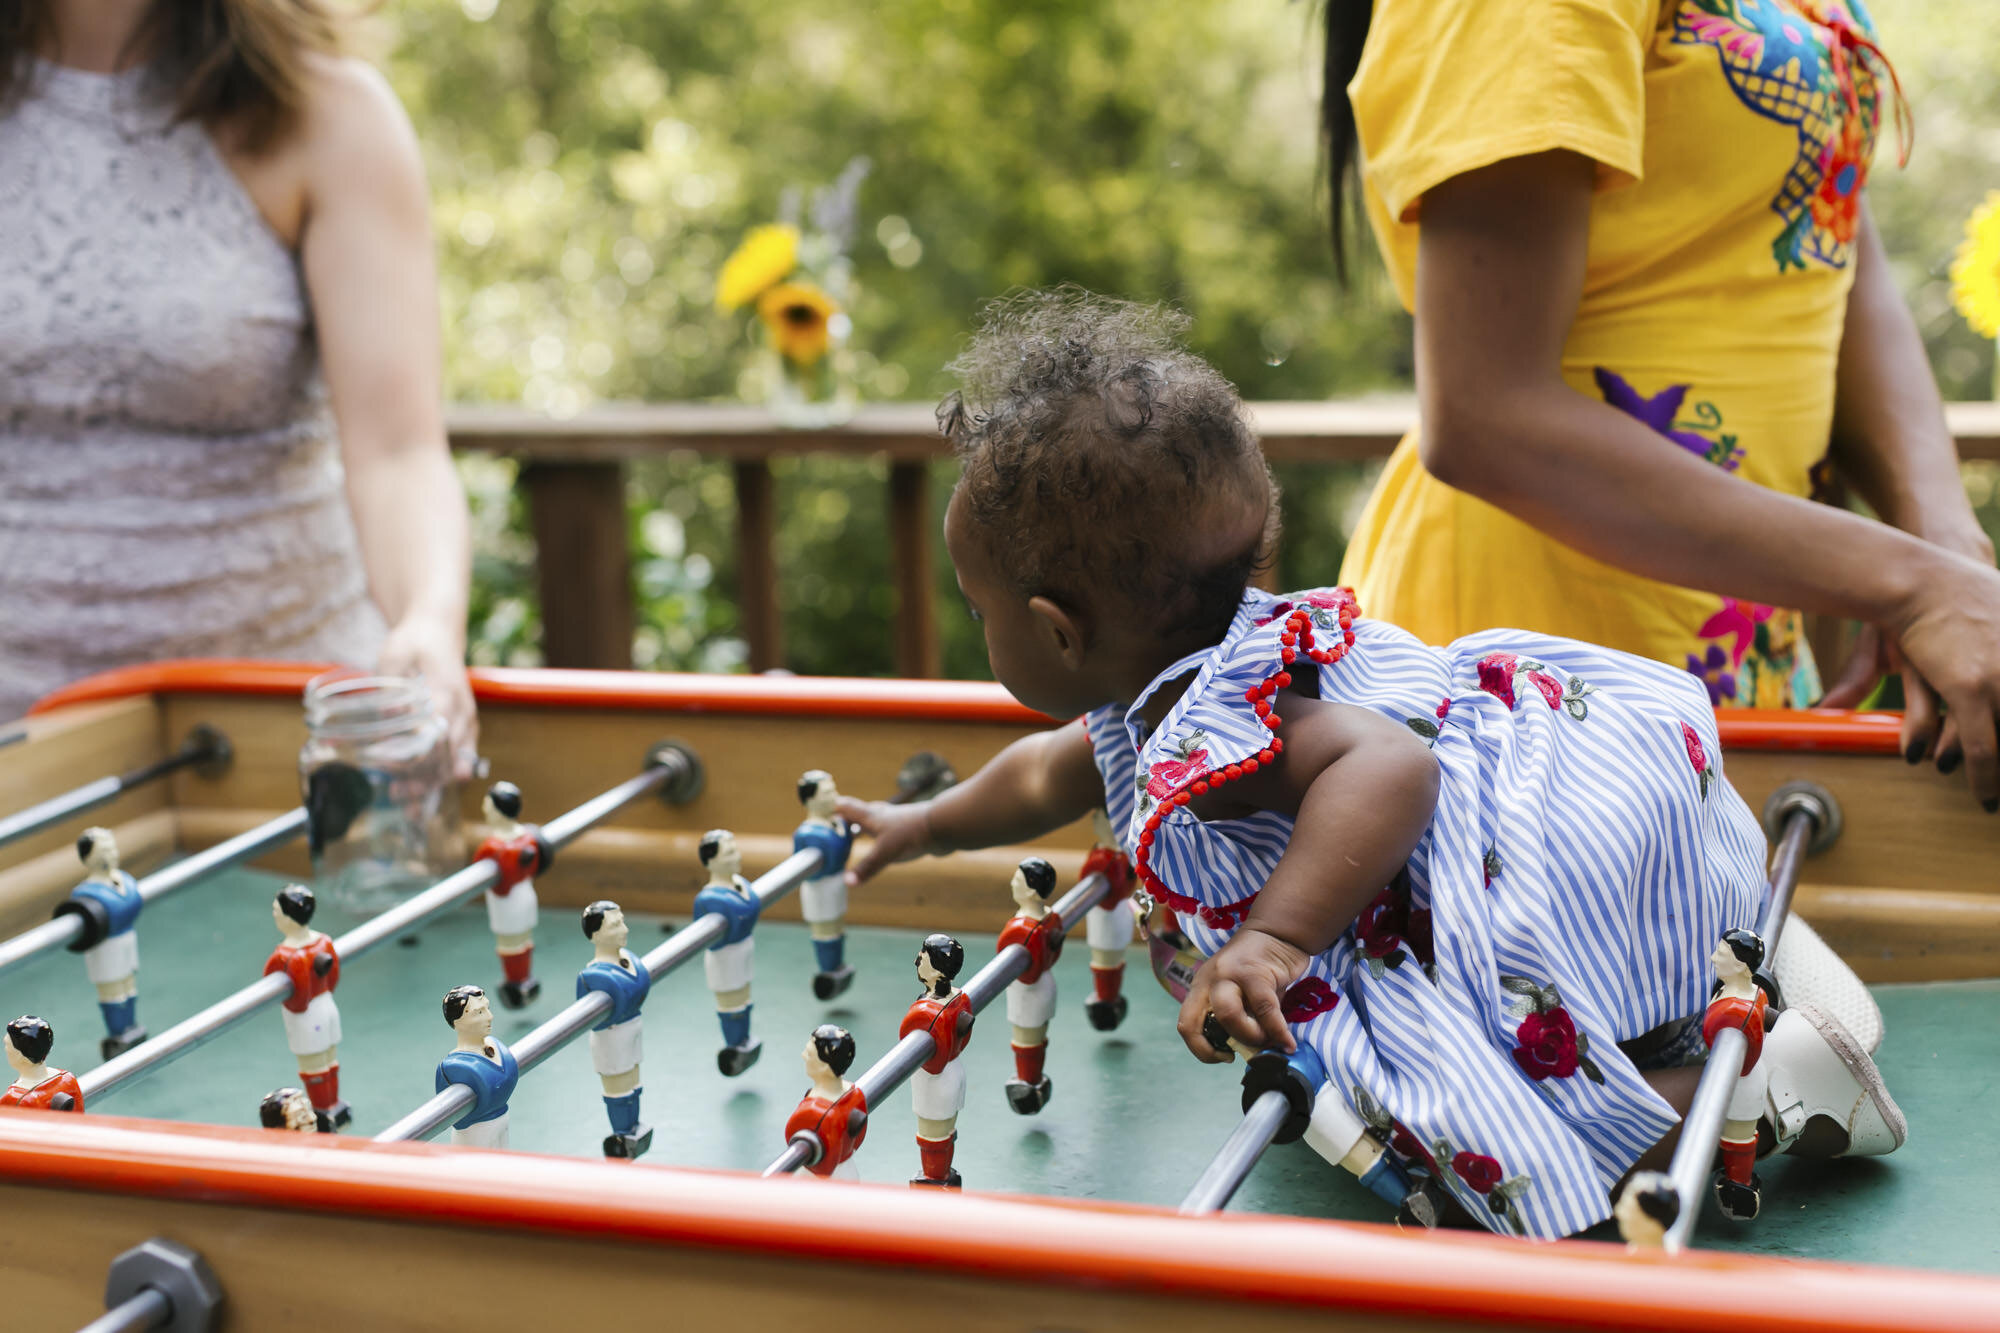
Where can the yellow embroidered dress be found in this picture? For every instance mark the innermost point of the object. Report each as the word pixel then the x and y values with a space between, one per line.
pixel 1732 139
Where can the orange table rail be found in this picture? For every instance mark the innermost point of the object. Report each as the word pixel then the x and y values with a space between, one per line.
pixel 1829 730
pixel 1266 1261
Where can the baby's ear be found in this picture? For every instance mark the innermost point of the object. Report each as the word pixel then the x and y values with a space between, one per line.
pixel 1069 630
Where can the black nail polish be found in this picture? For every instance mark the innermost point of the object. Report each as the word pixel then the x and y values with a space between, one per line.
pixel 1992 806
pixel 1915 754
pixel 1949 761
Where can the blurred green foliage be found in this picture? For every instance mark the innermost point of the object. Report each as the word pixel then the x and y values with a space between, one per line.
pixel 593 161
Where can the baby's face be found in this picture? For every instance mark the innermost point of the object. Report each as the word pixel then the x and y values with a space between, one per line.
pixel 1020 646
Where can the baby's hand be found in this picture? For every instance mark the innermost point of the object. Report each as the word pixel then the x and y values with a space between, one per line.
pixel 900 833
pixel 1243 986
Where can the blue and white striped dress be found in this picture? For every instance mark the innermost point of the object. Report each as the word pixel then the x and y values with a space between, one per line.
pixel 1585 857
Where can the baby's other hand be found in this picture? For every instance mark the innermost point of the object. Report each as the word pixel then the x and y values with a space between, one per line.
pixel 1243 986
pixel 899 833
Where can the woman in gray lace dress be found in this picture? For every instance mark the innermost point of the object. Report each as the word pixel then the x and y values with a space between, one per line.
pixel 220 429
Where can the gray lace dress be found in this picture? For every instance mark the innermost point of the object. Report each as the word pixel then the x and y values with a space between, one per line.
pixel 170 481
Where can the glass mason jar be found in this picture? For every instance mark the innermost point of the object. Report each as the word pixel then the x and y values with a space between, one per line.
pixel 375 774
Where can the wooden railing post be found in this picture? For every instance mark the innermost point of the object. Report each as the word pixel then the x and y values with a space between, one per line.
pixel 757 564
pixel 583 565
pixel 918 653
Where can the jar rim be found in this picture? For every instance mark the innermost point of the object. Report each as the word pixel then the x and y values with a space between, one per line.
pixel 348 704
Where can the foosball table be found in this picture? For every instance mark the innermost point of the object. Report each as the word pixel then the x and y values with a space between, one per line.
pixel 671 843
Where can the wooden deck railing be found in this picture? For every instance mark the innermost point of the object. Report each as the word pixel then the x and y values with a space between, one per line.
pixel 573 472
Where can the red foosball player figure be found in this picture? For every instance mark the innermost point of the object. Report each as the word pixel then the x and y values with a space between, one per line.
pixel 1108 926
pixel 1740 1003
pixel 521 853
pixel 835 1111
pixel 938 1087
pixel 1031 998
pixel 312 1021
pixel 37 1087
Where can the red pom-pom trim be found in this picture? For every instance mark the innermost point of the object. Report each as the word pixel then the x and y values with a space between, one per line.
pixel 1296 636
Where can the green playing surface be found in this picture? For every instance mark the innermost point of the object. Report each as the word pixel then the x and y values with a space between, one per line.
pixel 1133 1116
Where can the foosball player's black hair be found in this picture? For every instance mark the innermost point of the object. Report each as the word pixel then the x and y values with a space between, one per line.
pixel 1663 1206
pixel 1041 876
pixel 297 902
pixel 711 843
pixel 593 916
pixel 271 1111
pixel 506 798
pixel 32 1037
pixel 835 1045
pixel 457 1000
pixel 809 784
pixel 947 955
pixel 84 842
pixel 1748 946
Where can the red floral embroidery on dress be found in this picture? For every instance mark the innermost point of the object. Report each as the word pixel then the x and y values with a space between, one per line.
pixel 1496 676
pixel 1545 1045
pixel 1296 638
pixel 1479 1171
pixel 1697 757
pixel 1499 671
pixel 1165 776
pixel 1308 998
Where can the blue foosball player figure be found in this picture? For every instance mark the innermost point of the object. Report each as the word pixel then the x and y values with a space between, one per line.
pixel 615 1044
pixel 480 1062
pixel 823 898
pixel 730 961
pixel 107 905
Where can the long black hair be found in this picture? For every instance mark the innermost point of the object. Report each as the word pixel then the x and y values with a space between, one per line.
pixel 1346 34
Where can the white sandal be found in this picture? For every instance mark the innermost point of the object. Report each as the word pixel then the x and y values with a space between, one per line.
pixel 1809 972
pixel 1826 1097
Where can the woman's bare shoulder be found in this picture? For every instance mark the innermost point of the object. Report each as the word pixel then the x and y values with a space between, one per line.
pixel 354 137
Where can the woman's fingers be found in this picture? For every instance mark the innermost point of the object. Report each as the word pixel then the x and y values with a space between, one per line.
pixel 1861 674
pixel 1921 716
pixel 1976 736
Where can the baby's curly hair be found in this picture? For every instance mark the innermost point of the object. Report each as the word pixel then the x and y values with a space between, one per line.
pixel 1105 461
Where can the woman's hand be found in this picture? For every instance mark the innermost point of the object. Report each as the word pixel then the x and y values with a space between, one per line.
pixel 426 647
pixel 1243 985
pixel 900 833
pixel 1949 637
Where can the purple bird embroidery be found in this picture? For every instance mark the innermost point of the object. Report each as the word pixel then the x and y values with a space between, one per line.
pixel 1658 413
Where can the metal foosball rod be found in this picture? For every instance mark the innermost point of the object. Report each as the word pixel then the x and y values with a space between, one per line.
pixel 906 1056
pixel 586 1013
pixel 68 928
pixel 205 750
pixel 670 766
pixel 1806 819
pixel 1231 1166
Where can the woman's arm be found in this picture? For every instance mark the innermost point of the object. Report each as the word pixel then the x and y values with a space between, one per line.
pixel 1361 790
pixel 1499 276
pixel 366 247
pixel 1891 443
pixel 1034 786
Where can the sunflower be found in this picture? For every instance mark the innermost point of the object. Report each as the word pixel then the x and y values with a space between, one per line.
pixel 767 254
pixel 1975 273
pixel 797 313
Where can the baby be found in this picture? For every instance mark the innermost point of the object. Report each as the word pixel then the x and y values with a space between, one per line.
pixel 1468 877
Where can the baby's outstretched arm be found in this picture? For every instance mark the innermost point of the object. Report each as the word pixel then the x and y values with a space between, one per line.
pixel 1037 784
pixel 1362 789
